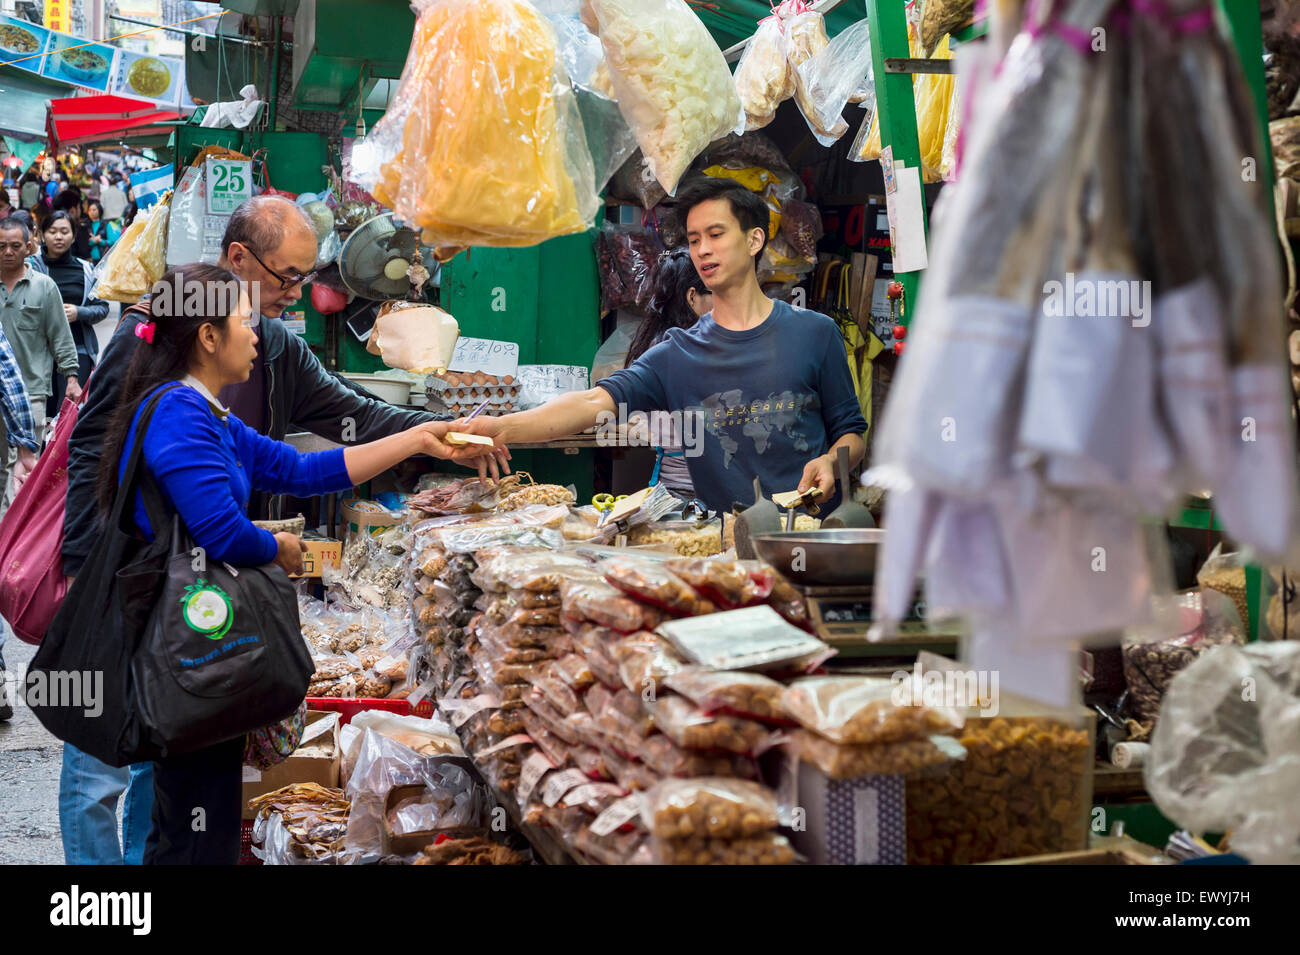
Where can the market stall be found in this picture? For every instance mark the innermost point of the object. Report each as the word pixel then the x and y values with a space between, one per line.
pixel 528 670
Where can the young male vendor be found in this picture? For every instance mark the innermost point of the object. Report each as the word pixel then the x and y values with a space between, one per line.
pixel 771 381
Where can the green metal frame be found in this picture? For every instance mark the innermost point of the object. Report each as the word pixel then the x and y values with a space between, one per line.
pixel 896 110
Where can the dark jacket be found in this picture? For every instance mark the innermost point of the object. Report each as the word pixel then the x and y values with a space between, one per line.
pixel 75 278
pixel 299 391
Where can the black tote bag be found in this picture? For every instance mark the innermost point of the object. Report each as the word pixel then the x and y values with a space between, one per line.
pixel 191 651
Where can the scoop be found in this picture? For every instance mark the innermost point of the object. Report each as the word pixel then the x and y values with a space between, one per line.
pixel 850 513
pixel 761 517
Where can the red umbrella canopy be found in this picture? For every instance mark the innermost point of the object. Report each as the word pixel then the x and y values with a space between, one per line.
pixel 80 119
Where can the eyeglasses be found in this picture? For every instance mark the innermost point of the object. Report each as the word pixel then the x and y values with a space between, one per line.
pixel 286 282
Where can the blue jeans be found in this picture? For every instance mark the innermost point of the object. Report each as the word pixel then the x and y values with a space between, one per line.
pixel 88 794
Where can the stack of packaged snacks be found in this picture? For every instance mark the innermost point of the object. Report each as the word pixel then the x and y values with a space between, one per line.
pixel 853 726
pixel 712 821
pixel 358 653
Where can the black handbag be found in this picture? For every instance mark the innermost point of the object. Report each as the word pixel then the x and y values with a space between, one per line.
pixel 187 651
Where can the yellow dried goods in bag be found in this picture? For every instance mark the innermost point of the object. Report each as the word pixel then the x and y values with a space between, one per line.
pixel 492 148
pixel 933 93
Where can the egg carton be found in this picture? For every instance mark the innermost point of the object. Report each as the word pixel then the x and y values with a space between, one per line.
pixel 468 379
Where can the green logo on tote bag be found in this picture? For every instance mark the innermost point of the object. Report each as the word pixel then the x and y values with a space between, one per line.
pixel 206 608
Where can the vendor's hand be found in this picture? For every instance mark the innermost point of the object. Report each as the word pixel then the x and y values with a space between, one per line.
pixel 71 312
pixel 26 463
pixel 289 549
pixel 73 389
pixel 819 473
pixel 491 462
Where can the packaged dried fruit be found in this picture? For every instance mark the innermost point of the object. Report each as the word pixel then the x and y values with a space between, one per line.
pixel 593 643
pixel 839 761
pixel 551 718
pixel 718 808
pixel 653 583
pixel 574 670
pixel 852 709
pixel 558 693
pixel 668 759
pixel 600 602
pixel 727 583
pixel 556 749
pixel 1023 789
pixel 769 849
pixel 691 728
pixel 615 848
pixel 534 599
pixel 730 691
pixel 644 661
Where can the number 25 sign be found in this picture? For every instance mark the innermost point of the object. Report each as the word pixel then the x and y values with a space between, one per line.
pixel 229 182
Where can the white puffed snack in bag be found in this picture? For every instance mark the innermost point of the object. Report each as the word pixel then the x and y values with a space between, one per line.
pixel 673 84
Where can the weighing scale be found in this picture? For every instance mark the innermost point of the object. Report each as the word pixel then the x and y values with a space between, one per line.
pixel 834 571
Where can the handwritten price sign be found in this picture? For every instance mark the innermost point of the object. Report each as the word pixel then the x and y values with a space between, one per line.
pixel 538 384
pixel 485 355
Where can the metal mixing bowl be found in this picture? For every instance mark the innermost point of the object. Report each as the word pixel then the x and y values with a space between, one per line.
pixel 833 558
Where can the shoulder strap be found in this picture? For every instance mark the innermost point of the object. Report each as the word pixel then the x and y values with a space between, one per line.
pixel 154 505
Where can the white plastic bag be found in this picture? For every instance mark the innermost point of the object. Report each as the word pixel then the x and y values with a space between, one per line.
pixel 764 78
pixel 672 82
pixel 831 78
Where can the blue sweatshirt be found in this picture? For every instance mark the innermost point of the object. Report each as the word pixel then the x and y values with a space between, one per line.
pixel 770 399
pixel 206 468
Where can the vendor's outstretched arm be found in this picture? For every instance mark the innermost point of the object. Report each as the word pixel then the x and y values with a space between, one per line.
pixel 558 418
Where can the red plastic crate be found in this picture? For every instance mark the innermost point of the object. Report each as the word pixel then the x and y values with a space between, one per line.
pixel 246 856
pixel 349 707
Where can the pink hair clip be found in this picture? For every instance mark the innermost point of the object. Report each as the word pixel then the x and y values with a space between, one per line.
pixel 145 330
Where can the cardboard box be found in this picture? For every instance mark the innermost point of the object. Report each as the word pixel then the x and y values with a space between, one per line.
pixel 368 517
pixel 849 821
pixel 408 842
pixel 313 766
pixel 319 553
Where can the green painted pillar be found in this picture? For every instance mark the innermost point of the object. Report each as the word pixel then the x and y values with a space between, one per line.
pixel 896 107
pixel 546 298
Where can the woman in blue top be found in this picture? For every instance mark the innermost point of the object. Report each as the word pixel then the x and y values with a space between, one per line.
pixel 205 461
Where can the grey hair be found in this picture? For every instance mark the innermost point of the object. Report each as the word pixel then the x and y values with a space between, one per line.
pixel 13 222
pixel 260 223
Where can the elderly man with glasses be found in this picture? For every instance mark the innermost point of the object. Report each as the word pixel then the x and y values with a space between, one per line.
pixel 271 245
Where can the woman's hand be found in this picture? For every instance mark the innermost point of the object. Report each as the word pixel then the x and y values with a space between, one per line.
pixel 491 462
pixel 289 549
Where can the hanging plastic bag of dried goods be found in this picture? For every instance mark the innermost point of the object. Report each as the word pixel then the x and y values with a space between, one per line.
pixel 829 79
pixel 806 38
pixel 609 139
pixel 483 144
pixel 672 82
pixel 137 260
pixel 764 78
pixel 933 93
pixel 1225 754
pixel 628 255
pixel 940 17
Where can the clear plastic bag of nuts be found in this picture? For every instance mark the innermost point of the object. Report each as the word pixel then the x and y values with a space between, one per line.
pixel 767 849
pixel 710 807
pixel 859 710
